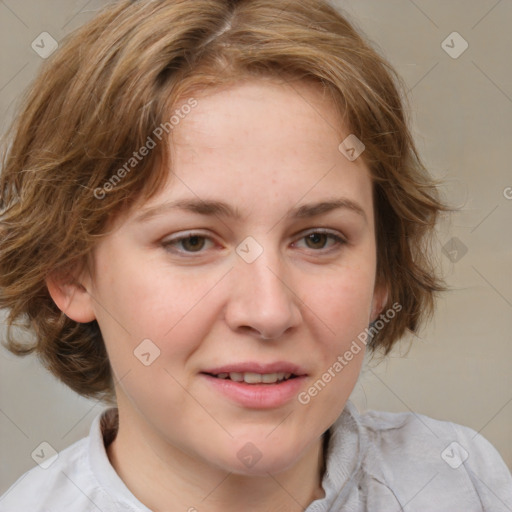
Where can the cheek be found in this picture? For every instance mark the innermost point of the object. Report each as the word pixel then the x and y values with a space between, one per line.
pixel 342 302
pixel 340 313
pixel 138 299
pixel 350 309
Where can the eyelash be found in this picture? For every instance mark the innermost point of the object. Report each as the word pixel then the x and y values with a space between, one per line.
pixel 340 241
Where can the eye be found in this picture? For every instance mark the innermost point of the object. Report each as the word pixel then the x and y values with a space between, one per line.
pixel 190 243
pixel 317 239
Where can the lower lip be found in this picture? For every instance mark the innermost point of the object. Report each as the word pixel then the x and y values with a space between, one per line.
pixel 257 396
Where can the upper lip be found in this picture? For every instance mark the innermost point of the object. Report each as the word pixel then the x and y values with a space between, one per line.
pixel 261 368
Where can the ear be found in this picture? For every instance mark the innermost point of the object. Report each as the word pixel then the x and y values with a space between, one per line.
pixel 380 298
pixel 71 297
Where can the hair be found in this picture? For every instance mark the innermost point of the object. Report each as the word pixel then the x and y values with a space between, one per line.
pixel 113 81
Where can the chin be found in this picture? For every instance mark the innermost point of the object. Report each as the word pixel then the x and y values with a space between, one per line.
pixel 259 457
pixel 264 466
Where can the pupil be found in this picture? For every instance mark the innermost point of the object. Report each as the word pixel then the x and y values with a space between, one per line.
pixel 316 237
pixel 194 242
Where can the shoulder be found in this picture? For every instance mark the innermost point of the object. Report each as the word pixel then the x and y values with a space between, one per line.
pixel 78 478
pixel 53 484
pixel 419 435
pixel 438 464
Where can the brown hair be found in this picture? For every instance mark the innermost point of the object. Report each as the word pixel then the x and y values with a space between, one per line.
pixel 116 79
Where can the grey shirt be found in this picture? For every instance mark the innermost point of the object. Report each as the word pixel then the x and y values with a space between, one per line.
pixel 376 461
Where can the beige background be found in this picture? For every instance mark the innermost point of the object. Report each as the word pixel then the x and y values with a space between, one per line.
pixel 462 110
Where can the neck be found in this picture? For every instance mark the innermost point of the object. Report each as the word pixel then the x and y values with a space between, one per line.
pixel 173 480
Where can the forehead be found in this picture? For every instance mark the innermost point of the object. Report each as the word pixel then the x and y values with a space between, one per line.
pixel 263 144
pixel 260 111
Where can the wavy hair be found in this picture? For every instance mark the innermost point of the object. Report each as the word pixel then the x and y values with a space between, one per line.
pixel 113 81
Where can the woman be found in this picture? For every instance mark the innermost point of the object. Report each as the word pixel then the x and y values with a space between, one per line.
pixel 211 210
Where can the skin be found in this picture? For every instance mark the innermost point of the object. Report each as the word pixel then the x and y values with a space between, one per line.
pixel 265 148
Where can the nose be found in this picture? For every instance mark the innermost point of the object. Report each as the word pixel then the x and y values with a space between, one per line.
pixel 263 300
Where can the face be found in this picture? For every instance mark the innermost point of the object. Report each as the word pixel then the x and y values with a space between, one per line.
pixel 263 269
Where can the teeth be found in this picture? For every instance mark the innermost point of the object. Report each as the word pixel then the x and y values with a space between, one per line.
pixel 270 378
pixel 255 378
pixel 252 378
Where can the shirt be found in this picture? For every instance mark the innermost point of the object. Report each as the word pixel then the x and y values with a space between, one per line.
pixel 376 461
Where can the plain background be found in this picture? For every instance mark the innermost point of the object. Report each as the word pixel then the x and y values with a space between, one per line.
pixel 460 368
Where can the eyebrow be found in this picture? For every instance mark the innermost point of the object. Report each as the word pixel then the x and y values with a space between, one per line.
pixel 222 209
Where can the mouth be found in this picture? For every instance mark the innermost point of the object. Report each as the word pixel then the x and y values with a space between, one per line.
pixel 254 378
pixel 257 373
pixel 255 385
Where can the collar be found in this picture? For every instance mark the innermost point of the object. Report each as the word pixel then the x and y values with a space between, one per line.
pixel 345 452
pixel 102 433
